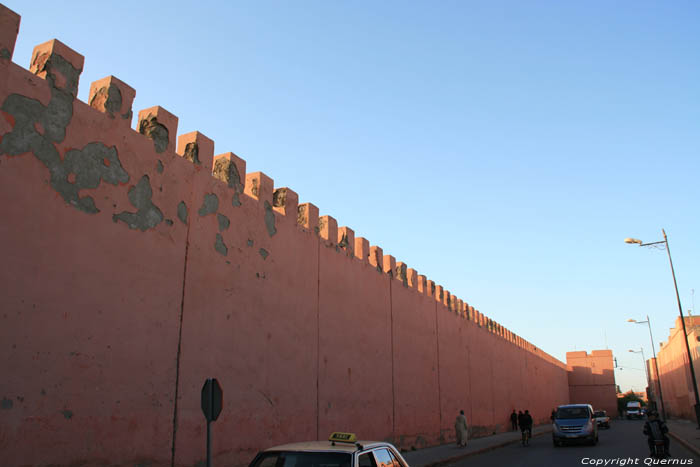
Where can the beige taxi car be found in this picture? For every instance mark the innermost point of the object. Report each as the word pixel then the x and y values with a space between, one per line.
pixel 341 450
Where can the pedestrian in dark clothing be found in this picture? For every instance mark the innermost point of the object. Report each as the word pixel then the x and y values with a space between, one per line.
pixel 554 414
pixel 526 423
pixel 514 421
pixel 520 419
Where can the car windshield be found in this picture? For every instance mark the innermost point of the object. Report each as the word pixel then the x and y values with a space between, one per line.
pixel 572 412
pixel 302 459
pixel 599 414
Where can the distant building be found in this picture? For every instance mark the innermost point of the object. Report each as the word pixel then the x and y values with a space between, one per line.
pixel 592 380
pixel 676 382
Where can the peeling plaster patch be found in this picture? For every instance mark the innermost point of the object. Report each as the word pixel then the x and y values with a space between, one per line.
pixel 79 169
pixel 148 214
pixel 192 153
pixel 150 127
pixel 37 128
pixel 86 168
pixel 227 171
pixel 279 198
pixel 182 212
pixel 264 253
pixel 160 166
pixel 220 246
pixel 250 242
pixel 270 219
pixel 254 187
pixel 6 403
pixel 109 97
pixel 210 204
pixel 401 273
pixel 301 215
pixel 224 222
pixel 68 414
pixel 67 78
pixel 5 54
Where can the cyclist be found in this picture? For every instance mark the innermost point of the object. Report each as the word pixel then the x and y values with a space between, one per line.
pixel 526 427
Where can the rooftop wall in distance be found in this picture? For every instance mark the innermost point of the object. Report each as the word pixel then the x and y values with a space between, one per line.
pixel 592 380
pixel 137 262
pixel 672 358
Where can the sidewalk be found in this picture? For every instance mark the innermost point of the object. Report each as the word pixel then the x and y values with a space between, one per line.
pixel 686 433
pixel 448 453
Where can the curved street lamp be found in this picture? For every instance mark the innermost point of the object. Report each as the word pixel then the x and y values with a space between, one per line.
pixel 680 310
pixel 656 363
pixel 644 360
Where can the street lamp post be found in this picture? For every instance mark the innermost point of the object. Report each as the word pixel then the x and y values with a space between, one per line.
pixel 680 310
pixel 656 363
pixel 646 370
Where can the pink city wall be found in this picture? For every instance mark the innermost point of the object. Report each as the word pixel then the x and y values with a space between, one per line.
pixel 136 263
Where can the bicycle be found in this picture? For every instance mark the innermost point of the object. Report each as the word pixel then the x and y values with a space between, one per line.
pixel 526 437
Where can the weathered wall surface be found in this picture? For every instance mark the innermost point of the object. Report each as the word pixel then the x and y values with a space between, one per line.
pixel 136 263
pixel 592 380
pixel 676 382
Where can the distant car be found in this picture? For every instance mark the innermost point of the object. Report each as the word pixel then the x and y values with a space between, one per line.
pixel 601 418
pixel 574 422
pixel 341 450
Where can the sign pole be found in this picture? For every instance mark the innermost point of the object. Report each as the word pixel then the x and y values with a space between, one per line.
pixel 208 444
pixel 210 390
pixel 212 403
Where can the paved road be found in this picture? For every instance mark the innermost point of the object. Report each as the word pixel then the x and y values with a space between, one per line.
pixel 623 441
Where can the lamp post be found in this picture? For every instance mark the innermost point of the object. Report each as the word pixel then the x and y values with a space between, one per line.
pixel 680 310
pixel 656 363
pixel 646 370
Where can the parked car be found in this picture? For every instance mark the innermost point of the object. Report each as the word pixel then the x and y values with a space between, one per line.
pixel 341 450
pixel 574 422
pixel 601 418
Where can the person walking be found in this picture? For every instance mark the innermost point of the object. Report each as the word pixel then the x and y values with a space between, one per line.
pixel 514 421
pixel 526 427
pixel 461 429
pixel 520 419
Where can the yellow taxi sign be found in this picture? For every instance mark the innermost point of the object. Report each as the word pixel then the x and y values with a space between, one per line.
pixel 342 437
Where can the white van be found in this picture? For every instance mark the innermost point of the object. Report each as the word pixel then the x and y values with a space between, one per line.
pixel 634 410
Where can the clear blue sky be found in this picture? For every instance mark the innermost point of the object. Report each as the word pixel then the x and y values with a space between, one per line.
pixel 504 149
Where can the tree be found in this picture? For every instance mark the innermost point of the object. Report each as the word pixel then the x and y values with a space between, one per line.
pixel 629 396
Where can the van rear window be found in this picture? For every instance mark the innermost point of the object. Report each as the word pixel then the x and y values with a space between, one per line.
pixel 572 412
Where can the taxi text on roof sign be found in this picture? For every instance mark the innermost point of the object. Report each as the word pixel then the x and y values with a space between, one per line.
pixel 342 437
